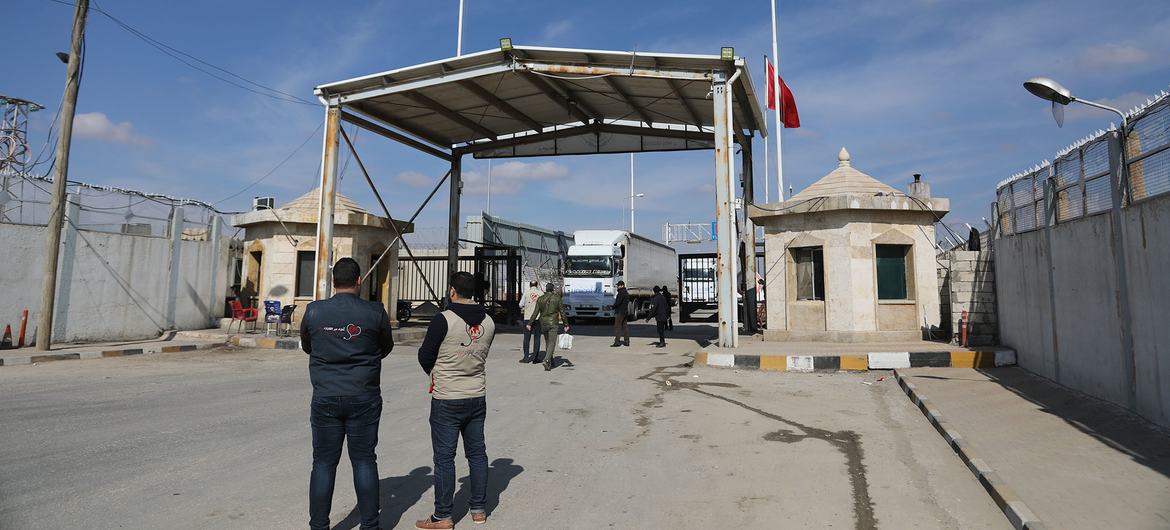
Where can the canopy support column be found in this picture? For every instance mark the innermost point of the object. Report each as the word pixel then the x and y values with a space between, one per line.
pixel 750 320
pixel 322 274
pixel 453 218
pixel 725 211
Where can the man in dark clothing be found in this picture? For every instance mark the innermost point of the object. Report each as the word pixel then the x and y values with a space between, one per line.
pixel 621 316
pixel 660 315
pixel 454 353
pixel 346 339
pixel 669 310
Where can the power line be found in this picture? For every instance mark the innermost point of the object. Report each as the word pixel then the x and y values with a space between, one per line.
pixel 178 55
pixel 273 170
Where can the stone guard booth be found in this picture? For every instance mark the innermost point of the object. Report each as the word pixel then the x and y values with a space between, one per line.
pixel 851 259
pixel 280 252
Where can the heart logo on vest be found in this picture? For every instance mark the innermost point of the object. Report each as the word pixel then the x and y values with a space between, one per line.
pixel 353 330
pixel 474 332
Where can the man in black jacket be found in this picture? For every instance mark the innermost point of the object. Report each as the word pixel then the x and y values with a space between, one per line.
pixel 621 316
pixel 346 339
pixel 661 314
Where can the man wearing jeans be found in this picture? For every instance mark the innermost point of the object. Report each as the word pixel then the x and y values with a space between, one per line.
pixel 346 339
pixel 453 354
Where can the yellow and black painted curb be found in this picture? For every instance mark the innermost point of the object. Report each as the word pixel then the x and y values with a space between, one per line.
pixel 858 361
pixel 1019 515
pixel 101 354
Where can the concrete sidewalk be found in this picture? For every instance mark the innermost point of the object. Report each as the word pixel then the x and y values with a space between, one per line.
pixel 1051 457
pixel 402 335
pixel 168 343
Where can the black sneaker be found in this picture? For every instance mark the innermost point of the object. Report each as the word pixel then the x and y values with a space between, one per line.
pixel 525 360
pixel 615 345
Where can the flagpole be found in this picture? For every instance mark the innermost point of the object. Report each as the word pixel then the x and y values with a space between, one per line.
pixel 459 37
pixel 766 155
pixel 776 102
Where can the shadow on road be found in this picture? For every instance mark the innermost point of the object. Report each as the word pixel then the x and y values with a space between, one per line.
pixel 396 495
pixel 500 475
pixel 1112 425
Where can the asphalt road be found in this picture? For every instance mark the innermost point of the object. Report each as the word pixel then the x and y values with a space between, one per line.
pixel 623 438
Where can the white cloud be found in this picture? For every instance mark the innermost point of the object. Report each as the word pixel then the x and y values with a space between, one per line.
pixel 415 179
pixel 97 126
pixel 1110 55
pixel 555 30
pixel 510 177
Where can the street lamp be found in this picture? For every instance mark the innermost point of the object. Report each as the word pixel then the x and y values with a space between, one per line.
pixel 632 197
pixel 1048 89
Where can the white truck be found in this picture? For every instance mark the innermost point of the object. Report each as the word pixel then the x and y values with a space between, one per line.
pixel 599 259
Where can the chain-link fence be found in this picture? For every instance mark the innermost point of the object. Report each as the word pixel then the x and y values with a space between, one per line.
pixel 1083 178
pixel 26 199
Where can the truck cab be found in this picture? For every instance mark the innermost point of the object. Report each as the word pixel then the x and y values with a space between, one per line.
pixel 590 281
pixel 599 259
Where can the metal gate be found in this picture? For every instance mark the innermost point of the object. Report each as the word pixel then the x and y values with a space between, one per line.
pixel 497 270
pixel 697 285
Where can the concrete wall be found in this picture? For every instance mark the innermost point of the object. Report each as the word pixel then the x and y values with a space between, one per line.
pixel 1061 309
pixel 967 283
pixel 113 286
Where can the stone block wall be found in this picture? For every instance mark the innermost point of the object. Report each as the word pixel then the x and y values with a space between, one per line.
pixel 967 283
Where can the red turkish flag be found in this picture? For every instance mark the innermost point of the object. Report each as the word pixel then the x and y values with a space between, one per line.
pixel 788 115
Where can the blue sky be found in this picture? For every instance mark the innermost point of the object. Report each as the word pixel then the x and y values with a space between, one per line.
pixel 908 86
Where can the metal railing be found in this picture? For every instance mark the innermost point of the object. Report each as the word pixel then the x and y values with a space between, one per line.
pixel 1082 179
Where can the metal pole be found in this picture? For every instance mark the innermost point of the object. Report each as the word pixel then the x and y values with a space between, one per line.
pixel 56 208
pixel 328 194
pixel 631 193
pixel 459 39
pixel 724 212
pixel 453 217
pixel 766 154
pixel 749 236
pixel 776 101
pixel 489 189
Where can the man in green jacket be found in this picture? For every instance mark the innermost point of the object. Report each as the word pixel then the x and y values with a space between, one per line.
pixel 550 312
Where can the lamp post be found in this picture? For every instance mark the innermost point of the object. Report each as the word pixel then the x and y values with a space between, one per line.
pixel 632 197
pixel 1048 89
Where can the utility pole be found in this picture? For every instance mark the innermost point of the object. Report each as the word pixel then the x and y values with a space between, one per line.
pixel 57 205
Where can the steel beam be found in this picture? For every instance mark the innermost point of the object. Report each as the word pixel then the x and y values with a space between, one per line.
pixel 453 219
pixel 750 320
pixel 745 106
pixel 657 73
pixel 322 273
pixel 725 212
pixel 394 135
pixel 584 129
pixel 450 114
pixel 421 132
pixel 612 82
pixel 498 103
pixel 407 86
pixel 559 98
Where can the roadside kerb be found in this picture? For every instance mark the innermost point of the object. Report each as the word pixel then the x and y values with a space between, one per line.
pixel 858 361
pixel 102 353
pixel 410 336
pixel 1018 513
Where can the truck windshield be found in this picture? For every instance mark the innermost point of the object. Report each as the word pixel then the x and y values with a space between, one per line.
pixel 589 266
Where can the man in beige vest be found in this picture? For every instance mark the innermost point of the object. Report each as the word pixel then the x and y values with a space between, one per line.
pixel 454 353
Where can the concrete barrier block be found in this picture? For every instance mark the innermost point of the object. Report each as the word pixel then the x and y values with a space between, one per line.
pixel 889 360
pixel 721 359
pixel 800 363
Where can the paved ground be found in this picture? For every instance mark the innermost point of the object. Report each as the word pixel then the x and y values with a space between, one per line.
pixel 1077 462
pixel 628 438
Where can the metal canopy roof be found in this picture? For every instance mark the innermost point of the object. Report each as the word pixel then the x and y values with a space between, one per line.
pixel 533 101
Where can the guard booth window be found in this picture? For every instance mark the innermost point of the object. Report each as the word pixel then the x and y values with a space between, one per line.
pixel 810 273
pixel 306 262
pixel 891 271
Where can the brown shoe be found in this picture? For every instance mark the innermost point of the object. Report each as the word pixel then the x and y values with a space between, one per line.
pixel 479 517
pixel 431 524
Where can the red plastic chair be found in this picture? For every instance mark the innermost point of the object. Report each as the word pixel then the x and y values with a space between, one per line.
pixel 242 314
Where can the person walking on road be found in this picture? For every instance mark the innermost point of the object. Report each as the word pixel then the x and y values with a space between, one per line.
pixel 454 353
pixel 528 304
pixel 669 309
pixel 621 316
pixel 346 339
pixel 550 314
pixel 661 314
